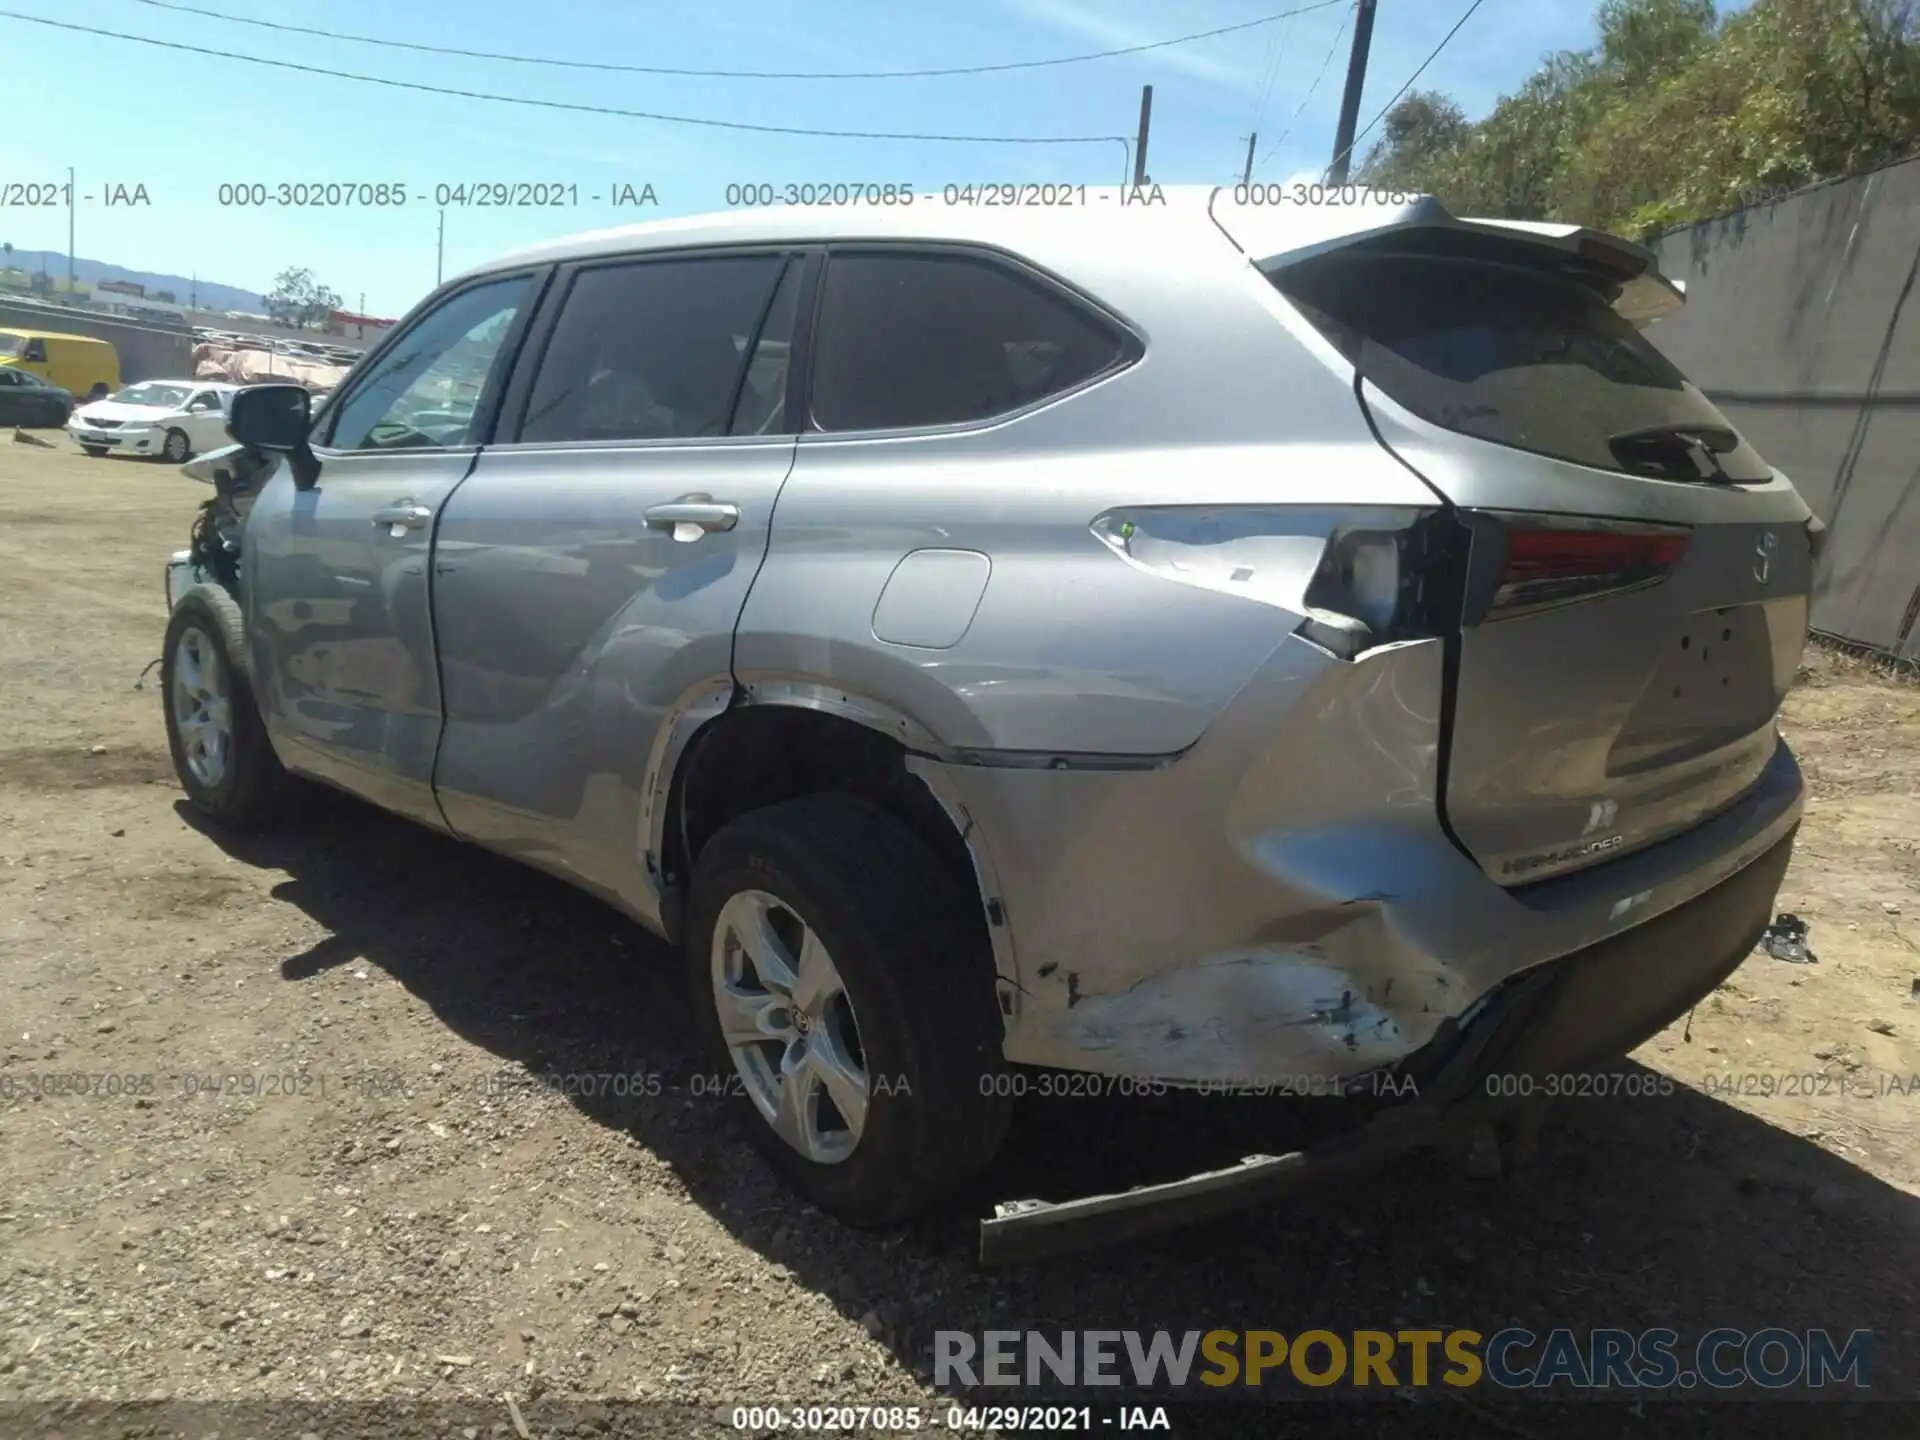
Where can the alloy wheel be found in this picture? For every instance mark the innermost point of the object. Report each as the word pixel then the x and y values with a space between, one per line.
pixel 789 1027
pixel 202 709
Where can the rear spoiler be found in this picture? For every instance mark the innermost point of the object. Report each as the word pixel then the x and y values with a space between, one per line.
pixel 1274 237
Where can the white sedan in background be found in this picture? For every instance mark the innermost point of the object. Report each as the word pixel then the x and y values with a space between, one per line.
pixel 171 419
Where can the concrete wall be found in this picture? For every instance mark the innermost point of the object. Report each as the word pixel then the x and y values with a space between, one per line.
pixel 1802 324
pixel 145 353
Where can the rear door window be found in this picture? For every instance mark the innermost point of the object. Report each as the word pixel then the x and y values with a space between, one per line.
pixel 912 340
pixel 661 350
pixel 1521 357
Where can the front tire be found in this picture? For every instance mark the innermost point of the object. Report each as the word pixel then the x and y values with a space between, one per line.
pixel 176 449
pixel 96 451
pixel 219 744
pixel 842 982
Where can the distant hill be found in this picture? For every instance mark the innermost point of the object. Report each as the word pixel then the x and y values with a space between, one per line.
pixel 210 294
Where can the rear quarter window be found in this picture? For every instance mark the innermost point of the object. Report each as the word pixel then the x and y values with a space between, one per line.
pixel 1521 357
pixel 909 340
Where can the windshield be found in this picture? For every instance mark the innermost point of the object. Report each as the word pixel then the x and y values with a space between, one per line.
pixel 12 346
pixel 162 397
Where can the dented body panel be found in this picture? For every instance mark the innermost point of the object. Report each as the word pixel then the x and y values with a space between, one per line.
pixel 1280 905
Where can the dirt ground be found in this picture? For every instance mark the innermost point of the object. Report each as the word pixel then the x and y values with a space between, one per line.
pixel 417 1219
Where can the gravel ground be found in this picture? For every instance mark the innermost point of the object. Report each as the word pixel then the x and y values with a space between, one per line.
pixel 329 1169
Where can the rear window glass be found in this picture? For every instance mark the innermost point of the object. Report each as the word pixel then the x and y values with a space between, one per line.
pixel 1519 357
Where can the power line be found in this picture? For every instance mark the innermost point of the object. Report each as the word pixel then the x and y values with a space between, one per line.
pixel 1300 109
pixel 95 30
pixel 742 74
pixel 1444 42
pixel 1277 54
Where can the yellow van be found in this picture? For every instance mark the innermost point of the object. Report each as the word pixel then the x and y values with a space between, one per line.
pixel 88 367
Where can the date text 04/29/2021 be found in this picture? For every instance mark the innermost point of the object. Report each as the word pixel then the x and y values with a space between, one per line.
pixel 445 195
pixel 972 194
pixel 962 1419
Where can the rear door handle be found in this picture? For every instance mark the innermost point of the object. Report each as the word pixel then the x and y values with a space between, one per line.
pixel 693 516
pixel 402 517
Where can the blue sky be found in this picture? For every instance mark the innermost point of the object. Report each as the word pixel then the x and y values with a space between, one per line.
pixel 181 124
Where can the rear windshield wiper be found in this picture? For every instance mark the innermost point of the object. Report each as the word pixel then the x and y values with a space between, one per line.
pixel 1675 452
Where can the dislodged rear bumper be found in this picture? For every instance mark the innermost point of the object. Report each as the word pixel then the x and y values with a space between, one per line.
pixel 1280 905
pixel 1586 1007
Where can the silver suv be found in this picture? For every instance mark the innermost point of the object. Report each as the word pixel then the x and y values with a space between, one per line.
pixel 1189 644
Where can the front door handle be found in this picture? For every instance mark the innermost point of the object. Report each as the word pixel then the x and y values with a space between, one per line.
pixel 692 516
pixel 402 517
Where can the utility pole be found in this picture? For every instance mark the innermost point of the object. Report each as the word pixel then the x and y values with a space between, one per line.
pixel 1140 145
pixel 440 251
pixel 1350 102
pixel 1246 175
pixel 193 293
pixel 72 289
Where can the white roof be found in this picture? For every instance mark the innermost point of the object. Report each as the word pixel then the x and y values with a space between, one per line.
pixel 1266 221
pixel 1106 218
pixel 189 384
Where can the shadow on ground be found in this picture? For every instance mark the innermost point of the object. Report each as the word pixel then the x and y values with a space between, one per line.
pixel 1676 1211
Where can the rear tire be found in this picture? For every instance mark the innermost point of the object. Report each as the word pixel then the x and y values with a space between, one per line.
pixel 910 1008
pixel 219 744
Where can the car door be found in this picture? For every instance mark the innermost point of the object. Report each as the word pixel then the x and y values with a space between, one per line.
pixel 205 421
pixel 336 579
pixel 588 576
pixel 15 398
pixel 44 404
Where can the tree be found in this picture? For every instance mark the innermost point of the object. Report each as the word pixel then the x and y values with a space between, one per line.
pixel 1675 115
pixel 165 297
pixel 297 299
pixel 1418 134
pixel 1643 40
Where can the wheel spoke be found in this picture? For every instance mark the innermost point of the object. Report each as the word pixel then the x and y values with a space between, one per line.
pixel 845 1082
pixel 815 981
pixel 750 1017
pixel 792 1120
pixel 187 667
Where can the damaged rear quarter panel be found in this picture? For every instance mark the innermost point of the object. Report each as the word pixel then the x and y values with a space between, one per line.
pixel 1235 915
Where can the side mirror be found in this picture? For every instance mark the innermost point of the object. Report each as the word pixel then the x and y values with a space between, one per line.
pixel 270 417
pixel 275 419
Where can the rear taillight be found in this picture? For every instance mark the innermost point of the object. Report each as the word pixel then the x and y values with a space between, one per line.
pixel 1382 586
pixel 1551 562
pixel 1358 576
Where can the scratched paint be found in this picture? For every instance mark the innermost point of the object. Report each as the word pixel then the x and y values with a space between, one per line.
pixel 1235 1018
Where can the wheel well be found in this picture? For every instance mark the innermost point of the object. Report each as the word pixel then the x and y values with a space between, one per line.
pixel 759 755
